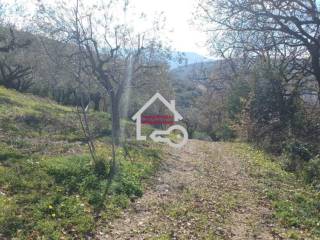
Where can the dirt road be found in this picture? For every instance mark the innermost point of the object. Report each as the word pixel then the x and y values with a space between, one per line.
pixel 202 191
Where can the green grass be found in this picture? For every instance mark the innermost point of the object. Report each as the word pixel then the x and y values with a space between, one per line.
pixel 296 205
pixel 29 116
pixel 48 187
pixel 59 196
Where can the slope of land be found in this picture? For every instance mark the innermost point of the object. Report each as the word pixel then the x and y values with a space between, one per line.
pixel 220 191
pixel 49 188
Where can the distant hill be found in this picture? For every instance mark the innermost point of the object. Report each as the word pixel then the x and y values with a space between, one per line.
pixel 188 79
pixel 180 59
pixel 187 72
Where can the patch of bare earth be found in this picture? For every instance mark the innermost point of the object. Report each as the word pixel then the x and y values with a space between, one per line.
pixel 201 192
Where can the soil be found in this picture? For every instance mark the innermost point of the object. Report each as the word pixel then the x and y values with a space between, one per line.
pixel 202 191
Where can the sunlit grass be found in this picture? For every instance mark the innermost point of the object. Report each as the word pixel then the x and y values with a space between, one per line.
pixel 49 188
pixel 296 205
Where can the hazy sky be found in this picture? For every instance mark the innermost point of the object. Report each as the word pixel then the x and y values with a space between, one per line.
pixel 182 34
pixel 179 14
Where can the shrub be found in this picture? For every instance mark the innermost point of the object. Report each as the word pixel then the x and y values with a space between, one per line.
pixel 101 167
pixel 132 187
pixel 312 172
pixel 201 136
pixel 297 149
pixel 223 133
pixel 128 185
pixel 297 154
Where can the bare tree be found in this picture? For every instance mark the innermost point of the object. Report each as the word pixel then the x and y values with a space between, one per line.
pixel 107 48
pixel 287 28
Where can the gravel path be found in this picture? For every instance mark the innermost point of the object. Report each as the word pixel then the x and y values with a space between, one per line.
pixel 201 192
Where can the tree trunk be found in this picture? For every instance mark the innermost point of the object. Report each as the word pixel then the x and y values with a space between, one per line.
pixel 115 108
pixel 96 98
pixel 316 67
pixel 115 115
pixel 96 106
pixel 318 80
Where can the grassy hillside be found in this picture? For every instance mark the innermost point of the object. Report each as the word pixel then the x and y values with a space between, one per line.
pixel 295 204
pixel 48 188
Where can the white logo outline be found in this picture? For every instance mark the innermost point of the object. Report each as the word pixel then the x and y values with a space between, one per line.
pixel 177 117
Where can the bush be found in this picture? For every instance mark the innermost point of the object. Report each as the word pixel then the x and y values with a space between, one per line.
pixel 297 154
pixel 223 133
pixel 297 149
pixel 201 136
pixel 312 172
pixel 101 167
pixel 128 186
